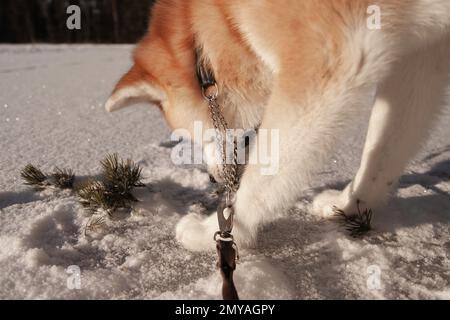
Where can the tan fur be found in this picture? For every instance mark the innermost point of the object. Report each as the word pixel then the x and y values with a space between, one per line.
pixel 305 35
pixel 305 68
pixel 165 57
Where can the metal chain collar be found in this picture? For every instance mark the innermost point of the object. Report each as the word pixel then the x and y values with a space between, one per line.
pixel 229 172
pixel 223 136
pixel 225 245
pixel 210 91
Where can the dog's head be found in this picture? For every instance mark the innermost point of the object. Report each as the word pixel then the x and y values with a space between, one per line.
pixel 163 73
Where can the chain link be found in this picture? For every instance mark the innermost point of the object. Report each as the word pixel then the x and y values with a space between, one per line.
pixel 229 172
pixel 226 247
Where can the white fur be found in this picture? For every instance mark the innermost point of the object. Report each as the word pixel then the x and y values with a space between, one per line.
pixel 408 102
pixel 140 92
pixel 210 158
pixel 410 66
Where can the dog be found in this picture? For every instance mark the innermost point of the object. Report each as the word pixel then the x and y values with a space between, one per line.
pixel 306 68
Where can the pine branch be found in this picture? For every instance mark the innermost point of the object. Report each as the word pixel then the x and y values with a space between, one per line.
pixel 114 191
pixel 63 178
pixel 90 194
pixel 60 178
pixel 94 224
pixel 357 224
pixel 34 177
pixel 121 176
pixel 95 195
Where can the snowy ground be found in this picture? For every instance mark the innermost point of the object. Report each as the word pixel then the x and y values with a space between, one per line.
pixel 51 114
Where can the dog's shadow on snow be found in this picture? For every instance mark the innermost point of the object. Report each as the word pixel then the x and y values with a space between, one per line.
pixel 432 206
pixel 440 172
pixel 10 198
pixel 294 244
pixel 307 242
pixel 179 198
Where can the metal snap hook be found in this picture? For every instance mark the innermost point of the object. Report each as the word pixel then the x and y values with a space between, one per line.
pixel 225 216
pixel 210 92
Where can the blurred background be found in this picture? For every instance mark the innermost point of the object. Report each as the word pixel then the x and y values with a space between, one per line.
pixel 102 21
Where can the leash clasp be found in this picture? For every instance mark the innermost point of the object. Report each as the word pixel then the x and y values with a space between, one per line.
pixel 225 216
pixel 210 92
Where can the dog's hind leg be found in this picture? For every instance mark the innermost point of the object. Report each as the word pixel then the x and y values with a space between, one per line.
pixel 408 102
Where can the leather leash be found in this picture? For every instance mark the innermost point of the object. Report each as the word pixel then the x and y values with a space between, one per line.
pixel 225 245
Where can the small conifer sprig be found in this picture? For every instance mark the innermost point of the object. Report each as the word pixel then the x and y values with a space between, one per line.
pixel 121 176
pixel 92 196
pixel 33 176
pixel 95 195
pixel 94 224
pixel 60 178
pixel 114 190
pixel 357 224
pixel 111 192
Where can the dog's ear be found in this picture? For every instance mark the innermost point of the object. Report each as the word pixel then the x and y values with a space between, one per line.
pixel 134 87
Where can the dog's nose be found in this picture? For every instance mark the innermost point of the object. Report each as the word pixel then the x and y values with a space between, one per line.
pixel 212 179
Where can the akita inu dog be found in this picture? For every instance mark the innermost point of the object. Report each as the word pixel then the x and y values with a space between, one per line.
pixel 305 68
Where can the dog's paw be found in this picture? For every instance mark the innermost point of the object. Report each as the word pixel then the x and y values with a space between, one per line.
pixel 196 233
pixel 326 203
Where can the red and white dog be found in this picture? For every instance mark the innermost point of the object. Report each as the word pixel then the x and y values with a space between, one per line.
pixel 305 68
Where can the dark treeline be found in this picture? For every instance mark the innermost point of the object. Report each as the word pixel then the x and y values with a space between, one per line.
pixel 102 21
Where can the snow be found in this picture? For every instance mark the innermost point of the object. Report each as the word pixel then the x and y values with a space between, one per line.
pixel 52 115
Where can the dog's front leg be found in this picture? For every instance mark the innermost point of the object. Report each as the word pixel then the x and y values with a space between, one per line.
pixel 308 127
pixel 316 97
pixel 299 130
